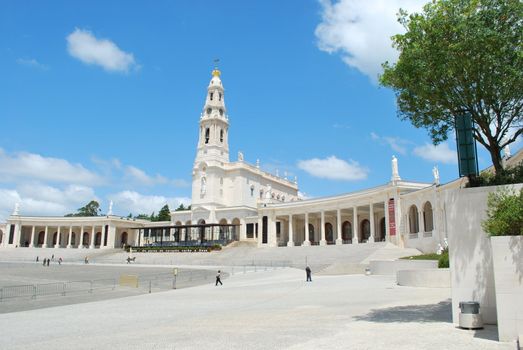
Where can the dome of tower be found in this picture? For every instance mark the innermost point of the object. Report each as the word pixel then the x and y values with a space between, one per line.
pixel 216 81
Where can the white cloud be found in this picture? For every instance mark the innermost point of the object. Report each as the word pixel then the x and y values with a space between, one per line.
pixel 396 143
pixel 138 176
pixel 360 31
pixel 40 199
pixel 439 154
pixel 31 62
pixel 136 203
pixel 83 45
pixel 19 165
pixel 334 168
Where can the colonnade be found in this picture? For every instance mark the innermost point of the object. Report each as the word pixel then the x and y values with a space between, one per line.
pixel 59 236
pixel 343 225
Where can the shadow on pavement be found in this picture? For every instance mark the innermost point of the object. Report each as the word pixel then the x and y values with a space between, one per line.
pixel 440 312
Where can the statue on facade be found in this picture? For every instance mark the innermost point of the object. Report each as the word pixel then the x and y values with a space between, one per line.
pixel 395 172
pixel 268 192
pixel 16 210
pixel 110 211
pixel 203 184
pixel 435 173
pixel 240 156
pixel 258 163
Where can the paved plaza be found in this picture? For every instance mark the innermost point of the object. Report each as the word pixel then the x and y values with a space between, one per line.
pixel 273 309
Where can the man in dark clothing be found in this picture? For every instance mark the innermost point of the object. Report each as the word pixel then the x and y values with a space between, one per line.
pixel 48 262
pixel 218 280
pixel 309 274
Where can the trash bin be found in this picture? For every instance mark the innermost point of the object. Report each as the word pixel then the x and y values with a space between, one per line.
pixel 469 317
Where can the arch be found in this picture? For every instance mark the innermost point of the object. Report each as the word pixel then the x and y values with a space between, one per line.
pixel 223 230
pixel 124 239
pixel 413 219
pixel 41 237
pixel 382 231
pixel 178 223
pixel 85 238
pixel 236 227
pixel 365 230
pixel 346 231
pixel 428 219
pixel 311 232
pixel 98 239
pixel 329 234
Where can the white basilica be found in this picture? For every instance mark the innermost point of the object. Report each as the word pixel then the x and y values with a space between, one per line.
pixel 260 207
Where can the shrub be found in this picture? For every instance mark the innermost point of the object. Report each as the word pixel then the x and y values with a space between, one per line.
pixel 512 175
pixel 443 261
pixel 504 214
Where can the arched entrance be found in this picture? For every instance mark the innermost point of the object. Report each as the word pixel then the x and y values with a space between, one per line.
pixel 329 235
pixel 413 220
pixel 346 231
pixel 236 228
pixel 381 234
pixel 98 239
pixel 365 231
pixel 428 220
pixel 222 230
pixel 201 231
pixel 41 237
pixel 123 239
pixel 85 239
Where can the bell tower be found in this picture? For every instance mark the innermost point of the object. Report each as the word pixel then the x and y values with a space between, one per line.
pixel 213 143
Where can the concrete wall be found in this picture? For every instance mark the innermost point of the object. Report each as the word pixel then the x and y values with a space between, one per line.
pixel 439 278
pixel 507 253
pixel 391 267
pixel 470 253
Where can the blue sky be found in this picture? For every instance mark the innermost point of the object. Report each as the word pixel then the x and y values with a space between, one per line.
pixel 101 99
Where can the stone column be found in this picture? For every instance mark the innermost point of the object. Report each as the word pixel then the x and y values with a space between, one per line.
pixel 81 238
pixel 355 225
pixel 322 229
pixel 70 237
pixel 387 220
pixel 32 243
pixel 260 230
pixel 290 243
pixel 18 235
pixel 57 245
pixel 421 222
pixel 371 221
pixel 338 227
pixel 44 245
pixel 271 231
pixel 91 246
pixel 307 241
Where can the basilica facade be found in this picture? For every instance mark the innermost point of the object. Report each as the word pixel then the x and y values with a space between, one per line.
pixel 259 206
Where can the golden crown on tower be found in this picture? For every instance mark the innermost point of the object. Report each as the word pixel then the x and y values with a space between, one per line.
pixel 216 72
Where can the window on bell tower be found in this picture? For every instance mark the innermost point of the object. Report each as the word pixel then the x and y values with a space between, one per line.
pixel 219 96
pixel 207 135
pixel 221 135
pixel 210 95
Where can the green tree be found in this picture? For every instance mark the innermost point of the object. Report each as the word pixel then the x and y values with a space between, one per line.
pixel 462 57
pixel 180 207
pixel 90 209
pixel 143 217
pixel 164 214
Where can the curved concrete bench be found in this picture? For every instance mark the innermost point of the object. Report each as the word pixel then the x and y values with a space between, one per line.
pixel 431 278
pixel 390 267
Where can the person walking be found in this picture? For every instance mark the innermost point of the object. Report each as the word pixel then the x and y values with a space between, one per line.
pixel 218 278
pixel 60 261
pixel 45 261
pixel 309 274
pixel 37 258
pixel 48 260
